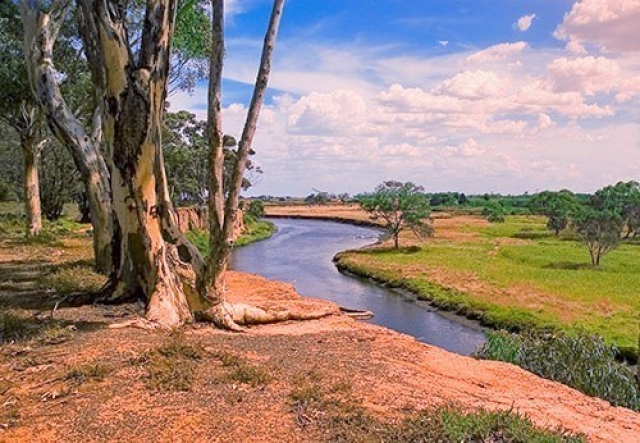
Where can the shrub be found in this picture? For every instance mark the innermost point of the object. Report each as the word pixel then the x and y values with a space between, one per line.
pixel 584 362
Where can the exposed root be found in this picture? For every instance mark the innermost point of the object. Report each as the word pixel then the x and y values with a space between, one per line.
pixel 140 323
pixel 231 315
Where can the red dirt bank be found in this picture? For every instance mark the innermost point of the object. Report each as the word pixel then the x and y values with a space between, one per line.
pixel 387 371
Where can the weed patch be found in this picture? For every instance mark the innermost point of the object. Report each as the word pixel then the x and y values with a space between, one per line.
pixel 243 372
pixel 172 366
pixel 19 326
pixel 81 374
pixel 74 279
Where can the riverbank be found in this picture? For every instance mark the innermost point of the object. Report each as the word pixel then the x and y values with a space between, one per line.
pixel 288 382
pixel 513 275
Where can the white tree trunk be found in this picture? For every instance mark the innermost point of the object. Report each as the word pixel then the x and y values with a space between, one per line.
pixel 41 31
pixel 223 203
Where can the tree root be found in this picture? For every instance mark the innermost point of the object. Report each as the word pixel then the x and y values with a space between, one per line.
pixel 140 323
pixel 230 315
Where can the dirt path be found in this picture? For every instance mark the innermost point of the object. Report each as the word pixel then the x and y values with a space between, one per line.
pixel 387 373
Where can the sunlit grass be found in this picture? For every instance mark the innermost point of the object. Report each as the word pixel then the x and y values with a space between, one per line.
pixel 514 259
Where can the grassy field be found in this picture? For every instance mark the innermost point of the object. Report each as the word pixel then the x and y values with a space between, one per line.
pixel 516 275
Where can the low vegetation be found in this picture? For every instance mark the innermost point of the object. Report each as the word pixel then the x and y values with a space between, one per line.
pixel 581 361
pixel 339 417
pixel 172 366
pixel 17 326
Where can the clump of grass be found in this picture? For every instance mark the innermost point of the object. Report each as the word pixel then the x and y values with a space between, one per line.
pixel 341 418
pixel 80 278
pixel 46 238
pixel 451 424
pixel 14 327
pixel 19 326
pixel 84 373
pixel 584 362
pixel 172 366
pixel 242 372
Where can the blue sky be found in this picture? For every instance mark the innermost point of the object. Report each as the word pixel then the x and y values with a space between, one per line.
pixel 475 96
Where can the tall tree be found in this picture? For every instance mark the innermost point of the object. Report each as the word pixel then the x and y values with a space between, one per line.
pixel 42 26
pixel 224 202
pixel 19 110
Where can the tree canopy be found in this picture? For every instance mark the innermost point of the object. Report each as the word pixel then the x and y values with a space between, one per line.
pixel 399 206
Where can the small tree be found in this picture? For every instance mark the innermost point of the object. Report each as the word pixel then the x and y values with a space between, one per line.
pixel 599 230
pixel 557 206
pixel 494 211
pixel 399 206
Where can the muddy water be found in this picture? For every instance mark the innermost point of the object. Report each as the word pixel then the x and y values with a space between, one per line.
pixel 301 253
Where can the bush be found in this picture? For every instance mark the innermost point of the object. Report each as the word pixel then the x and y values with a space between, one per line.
pixel 584 362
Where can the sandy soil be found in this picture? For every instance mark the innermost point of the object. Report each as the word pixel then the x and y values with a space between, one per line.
pixel 388 372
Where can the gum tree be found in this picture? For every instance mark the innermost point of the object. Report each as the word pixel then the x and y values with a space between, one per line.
pixel 399 206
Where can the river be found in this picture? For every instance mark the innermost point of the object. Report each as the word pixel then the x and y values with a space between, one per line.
pixel 301 253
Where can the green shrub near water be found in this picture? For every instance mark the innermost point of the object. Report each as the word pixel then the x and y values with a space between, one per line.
pixel 584 362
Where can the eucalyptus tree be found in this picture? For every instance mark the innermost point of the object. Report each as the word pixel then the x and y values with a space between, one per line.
pixel 152 259
pixel 399 206
pixel 42 22
pixel 224 201
pixel 20 111
pixel 558 207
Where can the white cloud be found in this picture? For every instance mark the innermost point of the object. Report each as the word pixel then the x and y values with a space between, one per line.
pixel 586 74
pixel 497 52
pixel 610 24
pixel 472 85
pixel 524 22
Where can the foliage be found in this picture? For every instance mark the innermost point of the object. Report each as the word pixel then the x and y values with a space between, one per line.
pixel 494 211
pixel 59 180
pixel 254 231
pixel 579 360
pixel 599 230
pixel 191 46
pixel 255 209
pixel 399 206
pixel 557 206
pixel 623 199
pixel 318 198
pixel 186 154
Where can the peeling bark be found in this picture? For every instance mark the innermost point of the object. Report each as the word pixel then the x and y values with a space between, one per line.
pixel 153 259
pixel 41 31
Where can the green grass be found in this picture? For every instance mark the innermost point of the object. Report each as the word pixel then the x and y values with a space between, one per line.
pixel 254 231
pixel 516 257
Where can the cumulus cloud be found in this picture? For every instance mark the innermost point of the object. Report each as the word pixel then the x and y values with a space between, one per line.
pixel 472 85
pixel 524 22
pixel 497 52
pixel 587 74
pixel 609 24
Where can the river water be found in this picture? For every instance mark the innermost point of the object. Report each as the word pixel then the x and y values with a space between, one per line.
pixel 301 253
